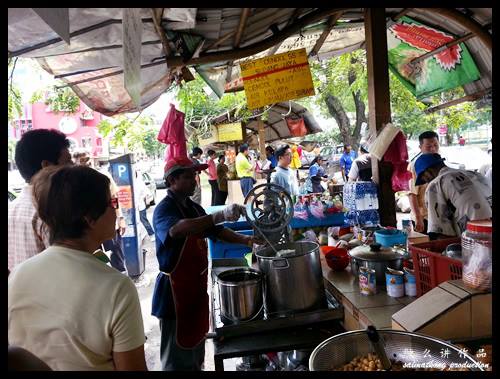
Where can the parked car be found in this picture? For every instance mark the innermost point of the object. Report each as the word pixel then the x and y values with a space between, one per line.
pixel 151 189
pixel 307 157
pixel 332 156
pixel 156 173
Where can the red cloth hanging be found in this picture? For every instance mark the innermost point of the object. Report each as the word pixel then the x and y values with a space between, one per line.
pixel 397 154
pixel 172 134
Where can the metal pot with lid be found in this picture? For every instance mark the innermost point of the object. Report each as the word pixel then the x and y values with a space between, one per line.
pixel 293 278
pixel 376 257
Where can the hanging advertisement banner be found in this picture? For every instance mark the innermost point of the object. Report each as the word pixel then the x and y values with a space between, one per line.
pixel 210 136
pixel 277 78
pixel 230 132
pixel 453 67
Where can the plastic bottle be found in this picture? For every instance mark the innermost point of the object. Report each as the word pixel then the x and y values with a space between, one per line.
pixel 476 254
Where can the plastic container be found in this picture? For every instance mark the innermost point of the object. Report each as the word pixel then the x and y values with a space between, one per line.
pixel 431 267
pixel 336 258
pixel 218 249
pixel 390 237
pixel 476 255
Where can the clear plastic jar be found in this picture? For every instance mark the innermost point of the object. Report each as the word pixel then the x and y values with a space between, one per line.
pixel 476 255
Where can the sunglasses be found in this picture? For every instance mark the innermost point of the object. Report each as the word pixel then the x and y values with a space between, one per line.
pixel 113 203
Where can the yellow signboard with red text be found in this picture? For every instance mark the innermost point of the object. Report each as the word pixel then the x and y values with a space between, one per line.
pixel 277 78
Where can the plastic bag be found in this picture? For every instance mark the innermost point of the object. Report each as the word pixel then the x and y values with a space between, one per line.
pixel 309 235
pixel 300 210
pixel 297 127
pixel 477 272
pixel 316 208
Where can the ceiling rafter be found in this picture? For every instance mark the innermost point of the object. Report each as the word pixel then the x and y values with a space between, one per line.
pixel 233 54
pixel 292 19
pixel 322 38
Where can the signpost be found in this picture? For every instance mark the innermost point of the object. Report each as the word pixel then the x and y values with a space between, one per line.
pixel 277 78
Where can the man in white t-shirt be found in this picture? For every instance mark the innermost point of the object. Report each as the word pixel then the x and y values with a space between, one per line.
pixel 452 197
pixel 284 176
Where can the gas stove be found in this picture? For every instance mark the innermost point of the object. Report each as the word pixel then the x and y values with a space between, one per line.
pixel 262 322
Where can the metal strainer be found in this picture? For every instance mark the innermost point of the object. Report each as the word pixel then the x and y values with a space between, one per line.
pixel 412 348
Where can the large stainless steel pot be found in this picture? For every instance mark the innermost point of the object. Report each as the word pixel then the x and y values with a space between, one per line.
pixel 240 292
pixel 377 258
pixel 293 282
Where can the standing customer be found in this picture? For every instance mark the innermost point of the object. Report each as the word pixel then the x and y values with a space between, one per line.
pixel 140 194
pixel 429 144
pixel 180 298
pixel 453 197
pixel 317 174
pixel 284 176
pixel 114 245
pixel 244 170
pixel 222 171
pixel 346 160
pixel 27 234
pixel 361 168
pixel 66 306
pixel 195 157
pixel 212 176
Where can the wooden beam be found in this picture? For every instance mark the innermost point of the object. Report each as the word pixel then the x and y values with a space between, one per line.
pixel 404 12
pixel 224 38
pixel 157 16
pixel 262 137
pixel 292 19
pixel 74 34
pixel 379 105
pixel 233 54
pixel 441 48
pixel 241 26
pixel 321 40
pixel 466 22
pixel 471 97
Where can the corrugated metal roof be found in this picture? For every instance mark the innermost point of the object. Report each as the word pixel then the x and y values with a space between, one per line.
pixel 26 30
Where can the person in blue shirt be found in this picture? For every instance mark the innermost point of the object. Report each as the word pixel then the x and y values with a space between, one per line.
pixel 180 298
pixel 271 157
pixel 346 160
pixel 317 174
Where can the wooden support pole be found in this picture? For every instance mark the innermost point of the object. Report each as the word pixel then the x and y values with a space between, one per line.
pixel 379 105
pixel 262 137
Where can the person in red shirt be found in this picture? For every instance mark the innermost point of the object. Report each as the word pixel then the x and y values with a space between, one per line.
pixel 212 176
pixel 461 141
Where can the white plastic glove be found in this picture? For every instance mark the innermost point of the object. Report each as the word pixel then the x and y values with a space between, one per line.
pixel 230 213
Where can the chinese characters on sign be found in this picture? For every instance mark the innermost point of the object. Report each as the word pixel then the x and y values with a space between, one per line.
pixel 277 78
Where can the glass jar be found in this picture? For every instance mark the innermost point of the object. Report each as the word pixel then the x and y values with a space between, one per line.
pixel 476 255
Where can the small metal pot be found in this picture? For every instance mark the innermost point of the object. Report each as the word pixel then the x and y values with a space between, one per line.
pixel 240 292
pixel 377 258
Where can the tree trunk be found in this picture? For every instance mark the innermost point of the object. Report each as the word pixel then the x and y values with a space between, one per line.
pixel 338 113
pixel 360 109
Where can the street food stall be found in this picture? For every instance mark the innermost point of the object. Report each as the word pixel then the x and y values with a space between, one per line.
pixel 301 303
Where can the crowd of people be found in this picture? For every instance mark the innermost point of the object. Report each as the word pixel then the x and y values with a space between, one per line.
pixel 69 310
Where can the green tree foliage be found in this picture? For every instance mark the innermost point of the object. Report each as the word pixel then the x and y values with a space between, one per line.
pixel 200 108
pixel 133 134
pixel 62 100
pixel 14 97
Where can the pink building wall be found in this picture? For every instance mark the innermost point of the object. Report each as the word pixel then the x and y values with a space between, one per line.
pixel 85 135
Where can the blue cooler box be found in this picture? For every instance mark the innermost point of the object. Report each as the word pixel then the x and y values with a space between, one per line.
pixel 220 249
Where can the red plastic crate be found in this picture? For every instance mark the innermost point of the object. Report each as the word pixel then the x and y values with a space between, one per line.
pixel 432 268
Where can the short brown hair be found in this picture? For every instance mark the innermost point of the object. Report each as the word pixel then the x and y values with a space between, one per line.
pixel 65 195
